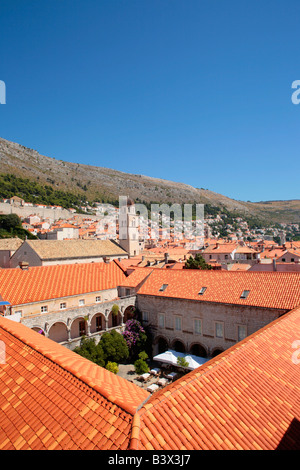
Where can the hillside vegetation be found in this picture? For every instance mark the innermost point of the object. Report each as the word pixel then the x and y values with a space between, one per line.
pixel 101 184
pixel 11 226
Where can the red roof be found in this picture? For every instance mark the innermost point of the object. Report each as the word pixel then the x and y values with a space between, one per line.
pixel 52 398
pixel 137 276
pixel 19 286
pixel 247 398
pixel 267 289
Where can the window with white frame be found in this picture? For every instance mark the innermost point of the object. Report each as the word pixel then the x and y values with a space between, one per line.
pixel 177 323
pixel 98 298
pixel 63 306
pixel 81 302
pixel 219 330
pixel 44 309
pixel 197 326
pixel 242 332
pixel 161 320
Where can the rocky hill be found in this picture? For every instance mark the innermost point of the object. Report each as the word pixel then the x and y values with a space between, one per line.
pixel 105 183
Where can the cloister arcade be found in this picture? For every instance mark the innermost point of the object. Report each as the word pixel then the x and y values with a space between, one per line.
pixel 69 329
pixel 162 344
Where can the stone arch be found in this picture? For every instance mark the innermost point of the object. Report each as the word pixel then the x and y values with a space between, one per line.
pixel 197 349
pixel 178 346
pixel 162 344
pixel 114 320
pixel 58 332
pixel 39 330
pixel 98 322
pixel 129 313
pixel 79 327
pixel 215 352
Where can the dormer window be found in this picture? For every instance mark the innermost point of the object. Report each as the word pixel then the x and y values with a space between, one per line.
pixel 163 287
pixel 245 294
pixel 202 290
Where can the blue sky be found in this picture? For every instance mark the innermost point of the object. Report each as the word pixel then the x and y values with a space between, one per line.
pixel 192 91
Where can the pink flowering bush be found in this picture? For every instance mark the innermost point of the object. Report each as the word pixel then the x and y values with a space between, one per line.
pixel 135 337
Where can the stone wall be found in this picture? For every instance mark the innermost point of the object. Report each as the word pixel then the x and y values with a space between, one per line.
pixel 231 316
pixel 62 326
pixel 25 211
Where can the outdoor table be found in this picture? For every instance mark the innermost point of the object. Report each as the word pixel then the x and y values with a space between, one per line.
pixel 162 382
pixel 171 375
pixel 152 388
pixel 155 371
pixel 145 377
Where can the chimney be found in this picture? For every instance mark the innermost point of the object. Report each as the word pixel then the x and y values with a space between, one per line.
pixel 166 257
pixel 24 265
pixel 274 265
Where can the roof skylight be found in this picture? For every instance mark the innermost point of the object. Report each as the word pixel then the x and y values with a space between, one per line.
pixel 245 294
pixel 163 287
pixel 202 290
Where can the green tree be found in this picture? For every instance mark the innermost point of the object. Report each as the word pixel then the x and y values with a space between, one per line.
pixel 11 226
pixel 112 367
pixel 114 347
pixel 91 351
pixel 10 222
pixel 182 362
pixel 115 309
pixel 197 263
pixel 140 365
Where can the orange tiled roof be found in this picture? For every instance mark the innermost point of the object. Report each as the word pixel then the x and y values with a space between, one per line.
pixel 247 398
pixel 52 398
pixel 19 286
pixel 137 276
pixel 239 267
pixel 221 248
pixel 267 289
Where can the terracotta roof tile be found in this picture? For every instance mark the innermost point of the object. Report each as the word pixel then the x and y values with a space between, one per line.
pixel 67 249
pixel 279 290
pixel 136 277
pixel 52 398
pixel 19 286
pixel 246 398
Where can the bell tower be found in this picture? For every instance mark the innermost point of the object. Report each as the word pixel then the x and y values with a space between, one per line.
pixel 128 226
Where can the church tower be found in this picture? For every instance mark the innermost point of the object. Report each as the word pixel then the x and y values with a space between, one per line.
pixel 128 227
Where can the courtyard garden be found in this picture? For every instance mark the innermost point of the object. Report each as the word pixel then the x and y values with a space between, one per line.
pixel 129 355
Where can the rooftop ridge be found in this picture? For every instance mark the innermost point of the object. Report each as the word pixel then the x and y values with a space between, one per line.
pixel 210 365
pixel 168 394
pixel 116 389
pixel 278 290
pixel 39 283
